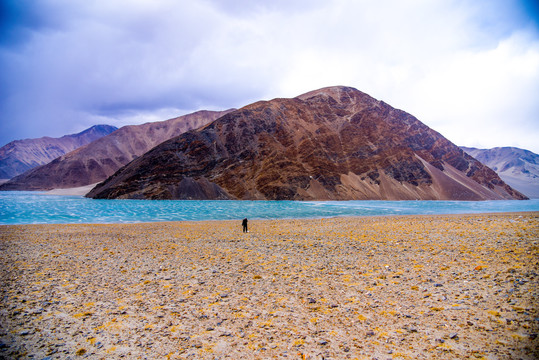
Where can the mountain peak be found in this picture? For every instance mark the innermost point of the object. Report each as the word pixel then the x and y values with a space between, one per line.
pixel 334 91
pixel 341 95
pixel 335 143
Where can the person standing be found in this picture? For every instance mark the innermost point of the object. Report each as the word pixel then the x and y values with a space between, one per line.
pixel 244 224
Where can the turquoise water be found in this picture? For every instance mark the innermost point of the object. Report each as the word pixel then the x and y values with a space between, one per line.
pixel 18 207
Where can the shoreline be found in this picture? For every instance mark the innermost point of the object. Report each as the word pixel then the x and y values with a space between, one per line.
pixel 391 287
pixel 77 191
pixel 531 213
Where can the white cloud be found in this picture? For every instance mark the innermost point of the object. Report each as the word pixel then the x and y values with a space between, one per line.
pixel 474 92
pixel 467 69
pixel 479 98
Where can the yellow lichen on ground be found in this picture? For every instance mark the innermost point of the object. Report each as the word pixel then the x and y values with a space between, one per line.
pixel 410 287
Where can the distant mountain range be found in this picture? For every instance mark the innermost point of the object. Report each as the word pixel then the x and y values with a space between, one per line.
pixel 517 167
pixel 20 156
pixel 97 160
pixel 335 143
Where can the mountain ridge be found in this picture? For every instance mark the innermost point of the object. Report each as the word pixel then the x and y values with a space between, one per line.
pixel 19 156
pixel 517 167
pixel 96 161
pixel 335 143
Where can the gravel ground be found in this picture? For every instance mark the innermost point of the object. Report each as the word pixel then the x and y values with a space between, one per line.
pixel 410 287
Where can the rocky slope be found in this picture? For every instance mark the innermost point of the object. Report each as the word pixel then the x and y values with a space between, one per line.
pixel 100 159
pixel 334 143
pixel 20 156
pixel 517 167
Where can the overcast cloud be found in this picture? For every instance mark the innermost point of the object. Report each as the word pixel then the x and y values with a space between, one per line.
pixel 468 69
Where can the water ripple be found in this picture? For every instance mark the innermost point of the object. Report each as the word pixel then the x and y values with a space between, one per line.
pixel 37 208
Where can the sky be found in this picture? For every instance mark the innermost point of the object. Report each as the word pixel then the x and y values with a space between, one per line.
pixel 468 69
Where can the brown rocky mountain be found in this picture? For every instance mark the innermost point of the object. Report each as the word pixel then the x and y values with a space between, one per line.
pixel 517 167
pixel 334 143
pixel 20 156
pixel 98 160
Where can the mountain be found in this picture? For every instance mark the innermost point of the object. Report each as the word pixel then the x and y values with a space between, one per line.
pixel 335 143
pixel 517 167
pixel 98 160
pixel 20 156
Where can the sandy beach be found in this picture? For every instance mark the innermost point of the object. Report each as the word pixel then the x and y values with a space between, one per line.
pixel 410 287
pixel 80 191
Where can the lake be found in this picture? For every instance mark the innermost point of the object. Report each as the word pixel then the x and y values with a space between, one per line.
pixel 20 207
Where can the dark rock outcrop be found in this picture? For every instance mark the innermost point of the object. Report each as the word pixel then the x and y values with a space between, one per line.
pixel 331 144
